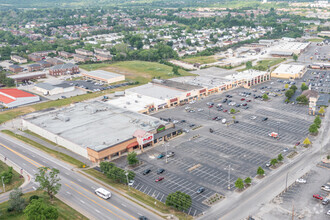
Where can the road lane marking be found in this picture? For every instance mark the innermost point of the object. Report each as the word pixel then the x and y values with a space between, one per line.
pixel 68 193
pixel 104 200
pixel 34 163
pixel 82 202
pixel 97 211
pixel 95 202
pixel 123 205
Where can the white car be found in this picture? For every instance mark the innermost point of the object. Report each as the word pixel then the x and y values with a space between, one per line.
pixel 300 180
pixel 200 110
pixel 253 117
pixel 131 182
pixel 328 213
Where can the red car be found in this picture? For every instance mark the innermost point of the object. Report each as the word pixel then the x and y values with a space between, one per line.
pixel 242 99
pixel 159 179
pixel 244 104
pixel 225 110
pixel 210 106
pixel 298 143
pixel 317 196
pixel 248 100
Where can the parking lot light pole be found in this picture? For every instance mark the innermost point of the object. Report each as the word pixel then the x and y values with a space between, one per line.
pixel 278 129
pixel 166 153
pixel 3 184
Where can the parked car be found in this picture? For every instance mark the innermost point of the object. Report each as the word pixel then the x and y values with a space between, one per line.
pixel 298 143
pixel 143 218
pixel 268 164
pixel 160 170
pixel 145 172
pixel 159 179
pixel 265 119
pixel 317 196
pixel 253 117
pixel 225 110
pixel 170 154
pixel 300 180
pixel 325 188
pixel 242 99
pixel 160 156
pixel 211 130
pixel 131 182
pixel 200 190
pixel 325 201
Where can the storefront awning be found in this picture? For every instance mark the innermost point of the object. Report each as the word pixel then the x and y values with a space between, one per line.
pixel 166 132
pixel 132 145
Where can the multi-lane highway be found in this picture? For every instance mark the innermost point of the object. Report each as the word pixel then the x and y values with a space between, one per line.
pixel 77 190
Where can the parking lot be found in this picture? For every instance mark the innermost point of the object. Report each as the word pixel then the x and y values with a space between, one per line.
pixel 94 86
pixel 204 158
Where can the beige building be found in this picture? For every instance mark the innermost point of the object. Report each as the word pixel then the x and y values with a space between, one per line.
pixel 18 59
pixel 312 96
pixel 289 71
pixel 104 76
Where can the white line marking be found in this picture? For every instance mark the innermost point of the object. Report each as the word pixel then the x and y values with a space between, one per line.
pixel 82 201
pixel 79 180
pixel 34 188
pixel 68 193
pixel 97 211
pixel 33 155
pixel 123 205
pixel 67 174
pixel 139 214
pixel 93 187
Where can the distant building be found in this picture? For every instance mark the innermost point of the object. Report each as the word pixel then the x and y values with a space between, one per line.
pixel 18 59
pixel 64 69
pixel 80 58
pixel 44 53
pixel 101 51
pixel 84 52
pixel 34 67
pixel 44 64
pixel 15 97
pixel 102 57
pixel 289 71
pixel 54 61
pixel 49 89
pixel 15 68
pixel 65 54
pixel 34 58
pixel 104 76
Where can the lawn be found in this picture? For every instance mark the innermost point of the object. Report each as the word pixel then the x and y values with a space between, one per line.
pixel 161 207
pixel 16 181
pixel 316 40
pixel 141 71
pixel 54 153
pixel 265 63
pixel 65 212
pixel 200 59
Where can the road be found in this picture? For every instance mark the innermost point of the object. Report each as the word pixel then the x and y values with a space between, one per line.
pixel 77 190
pixel 240 206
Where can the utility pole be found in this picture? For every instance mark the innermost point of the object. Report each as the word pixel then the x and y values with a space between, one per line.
pixel 3 184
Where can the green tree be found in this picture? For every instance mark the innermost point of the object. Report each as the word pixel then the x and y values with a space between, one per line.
pixel 7 175
pixel 286 86
pixel 38 209
pixel 175 70
pixel 322 111
pixel 295 57
pixel 260 171
pixel 48 180
pixel 306 141
pixel 248 65
pixel 317 121
pixel 294 88
pixel 280 157
pixel 179 200
pixel 313 129
pixel 289 93
pixel 232 111
pixel 265 96
pixel 132 158
pixel 302 99
pixel 303 87
pixel 239 183
pixel 16 202
pixel 273 162
pixel 248 181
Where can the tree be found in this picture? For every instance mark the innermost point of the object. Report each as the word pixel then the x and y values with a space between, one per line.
pixel 7 175
pixel 322 111
pixel 265 96
pixel 48 180
pixel 115 173
pixel 280 157
pixel 179 200
pixel 286 86
pixel 16 202
pixel 306 141
pixel 239 183
pixel 273 162
pixel 248 65
pixel 295 57
pixel 313 129
pixel 232 111
pixel 38 209
pixel 302 99
pixel 303 87
pixel 248 181
pixel 289 93
pixel 175 70
pixel 294 88
pixel 260 171
pixel 132 158
pixel 317 121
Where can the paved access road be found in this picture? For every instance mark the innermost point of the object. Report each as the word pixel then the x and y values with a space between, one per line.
pixel 77 190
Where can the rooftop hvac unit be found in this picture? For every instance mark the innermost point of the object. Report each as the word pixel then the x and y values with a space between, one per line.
pixel 136 101
pixel 128 103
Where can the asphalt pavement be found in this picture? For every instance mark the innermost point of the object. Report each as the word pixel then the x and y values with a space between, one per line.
pixel 77 190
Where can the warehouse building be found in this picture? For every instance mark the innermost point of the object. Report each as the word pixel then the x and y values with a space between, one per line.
pixel 49 89
pixel 28 76
pixel 104 76
pixel 289 71
pixel 99 131
pixel 284 48
pixel 14 97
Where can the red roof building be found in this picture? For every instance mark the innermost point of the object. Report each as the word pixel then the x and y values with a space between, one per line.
pixel 14 97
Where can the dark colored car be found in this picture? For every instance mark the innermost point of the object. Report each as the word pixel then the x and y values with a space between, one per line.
pixel 143 218
pixel 248 100
pixel 244 104
pixel 160 170
pixel 160 156
pixel 265 119
pixel 200 190
pixel 145 172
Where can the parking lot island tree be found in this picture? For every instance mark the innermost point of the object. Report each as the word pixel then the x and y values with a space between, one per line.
pixel 303 87
pixel 280 157
pixel 295 57
pixel 306 142
pixel 115 173
pixel 273 162
pixel 132 158
pixel 232 111
pixel 179 200
pixel 38 209
pixel 289 93
pixel 313 129
pixel 260 171
pixel 317 121
pixel 239 184
pixel 294 88
pixel 265 96
pixel 248 180
pixel 322 111
pixel 302 99
pixel 48 180
pixel 286 86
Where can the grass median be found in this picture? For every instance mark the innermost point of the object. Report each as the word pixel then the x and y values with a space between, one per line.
pixel 65 212
pixel 148 200
pixel 16 180
pixel 54 153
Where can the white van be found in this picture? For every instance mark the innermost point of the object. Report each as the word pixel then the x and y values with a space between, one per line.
pixel 105 194
pixel 224 121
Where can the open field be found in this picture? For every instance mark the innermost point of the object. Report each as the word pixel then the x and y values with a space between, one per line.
pixel 16 181
pixel 141 71
pixel 263 64
pixel 65 212
pixel 316 40
pixel 200 59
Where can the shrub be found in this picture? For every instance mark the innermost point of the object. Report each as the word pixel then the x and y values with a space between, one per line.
pixel 33 197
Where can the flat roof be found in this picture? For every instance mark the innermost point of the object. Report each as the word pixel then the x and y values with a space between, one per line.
pixel 177 85
pixel 95 125
pixel 294 47
pixel 289 69
pixel 102 74
pixel 156 91
pixel 24 75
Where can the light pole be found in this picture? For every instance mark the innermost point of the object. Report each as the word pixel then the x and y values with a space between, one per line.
pixel 166 153
pixel 278 129
pixel 229 168
pixel 3 184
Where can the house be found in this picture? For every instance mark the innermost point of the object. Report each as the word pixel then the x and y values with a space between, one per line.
pixel 84 52
pixel 14 97
pixel 18 59
pixel 15 68
pixel 54 61
pixel 80 58
pixel 64 54
pixel 34 67
pixel 64 69
pixel 44 64
pixel 34 58
pixel 101 51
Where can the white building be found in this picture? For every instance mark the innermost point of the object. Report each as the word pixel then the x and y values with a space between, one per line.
pixel 49 89
pixel 104 76
pixel 14 97
pixel 289 71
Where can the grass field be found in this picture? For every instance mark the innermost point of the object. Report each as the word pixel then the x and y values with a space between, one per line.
pixel 200 59
pixel 65 212
pixel 16 181
pixel 265 63
pixel 59 155
pixel 161 207
pixel 316 40
pixel 141 71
